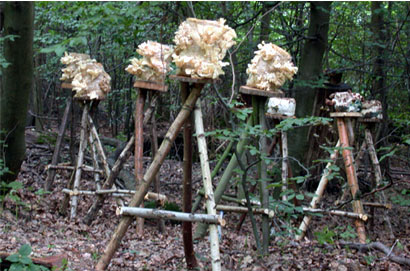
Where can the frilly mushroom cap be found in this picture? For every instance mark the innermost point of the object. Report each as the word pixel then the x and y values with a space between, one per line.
pixel 88 77
pixel 200 47
pixel 270 67
pixel 154 63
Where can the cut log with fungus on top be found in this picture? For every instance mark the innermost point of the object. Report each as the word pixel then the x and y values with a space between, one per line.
pixel 154 63
pixel 87 76
pixel 270 68
pixel 201 46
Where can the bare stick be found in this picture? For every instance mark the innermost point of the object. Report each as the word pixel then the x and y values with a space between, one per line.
pixel 51 174
pixel 139 148
pixel 239 209
pixel 206 177
pixel 95 163
pixel 84 168
pixel 149 177
pixel 377 175
pixel 80 159
pixel 179 216
pixel 379 246
pixel 363 217
pixel 125 154
pixel 319 193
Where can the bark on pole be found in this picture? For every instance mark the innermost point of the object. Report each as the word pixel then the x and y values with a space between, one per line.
pixel 351 177
pixel 99 201
pixel 17 84
pixel 319 192
pixel 139 148
pixel 178 216
pixel 377 175
pixel 154 149
pixel 225 179
pixel 206 177
pixel 80 159
pixel 187 185
pixel 149 176
pixel 56 154
pixel 263 147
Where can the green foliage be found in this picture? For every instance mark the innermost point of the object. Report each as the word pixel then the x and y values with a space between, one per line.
pixel 402 199
pixel 325 236
pixel 22 262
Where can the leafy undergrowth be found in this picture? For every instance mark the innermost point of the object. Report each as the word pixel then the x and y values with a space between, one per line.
pixel 35 221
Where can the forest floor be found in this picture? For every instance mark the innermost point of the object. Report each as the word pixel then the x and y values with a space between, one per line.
pixel 36 221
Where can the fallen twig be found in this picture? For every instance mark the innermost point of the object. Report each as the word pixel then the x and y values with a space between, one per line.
pixel 379 246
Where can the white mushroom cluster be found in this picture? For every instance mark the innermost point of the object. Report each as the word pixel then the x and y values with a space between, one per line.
pixel 87 76
pixel 201 46
pixel 346 101
pixel 270 67
pixel 154 63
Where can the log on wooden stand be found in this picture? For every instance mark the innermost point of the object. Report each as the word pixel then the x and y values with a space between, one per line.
pixel 149 176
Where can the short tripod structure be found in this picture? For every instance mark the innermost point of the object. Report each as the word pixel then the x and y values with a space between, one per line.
pixel 88 133
pixel 346 140
pixel 192 101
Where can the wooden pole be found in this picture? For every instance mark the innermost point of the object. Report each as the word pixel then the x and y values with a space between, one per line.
pixel 319 192
pixel 126 152
pixel 187 185
pixel 149 176
pixel 264 191
pixel 213 174
pixel 206 177
pixel 377 175
pixel 225 179
pixel 284 139
pixel 139 148
pixel 179 216
pixel 154 149
pixel 351 177
pixel 362 217
pixel 80 159
pixel 56 154
pixel 239 209
pixel 97 179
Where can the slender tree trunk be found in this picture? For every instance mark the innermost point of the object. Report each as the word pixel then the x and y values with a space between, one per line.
pixel 378 89
pixel 17 83
pixel 310 69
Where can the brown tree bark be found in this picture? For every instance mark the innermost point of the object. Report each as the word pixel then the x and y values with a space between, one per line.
pixel 310 69
pixel 17 83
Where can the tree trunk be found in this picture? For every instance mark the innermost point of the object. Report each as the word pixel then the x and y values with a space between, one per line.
pixel 310 69
pixel 378 90
pixel 17 83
